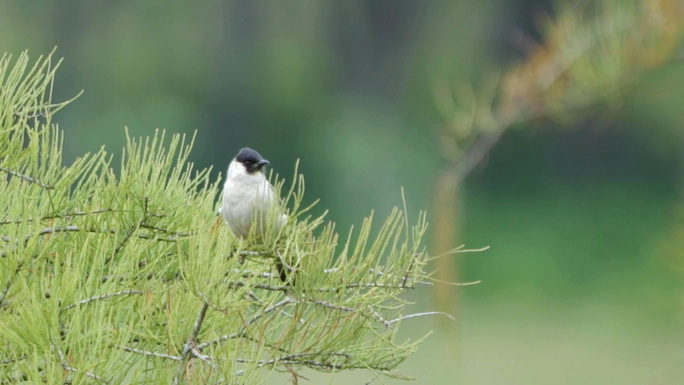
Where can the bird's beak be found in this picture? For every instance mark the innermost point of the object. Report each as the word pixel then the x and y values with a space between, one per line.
pixel 262 163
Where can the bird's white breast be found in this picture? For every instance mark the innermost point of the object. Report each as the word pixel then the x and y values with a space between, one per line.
pixel 245 197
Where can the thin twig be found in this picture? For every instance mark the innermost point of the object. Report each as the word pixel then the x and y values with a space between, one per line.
pixel 12 360
pixel 175 233
pixel 237 284
pixel 61 216
pixel 242 331
pixel 408 271
pixel 204 358
pixel 282 260
pixel 73 228
pixel 294 359
pixel 8 284
pixel 27 178
pixel 100 297
pixel 421 315
pixel 82 213
pixel 65 229
pixel 10 221
pixel 189 344
pixel 71 369
pixel 363 285
pixel 251 274
pixel 150 354
pixel 123 242
pixel 332 305
pixel 378 316
pixel 4 292
pixel 253 296
pixel 262 286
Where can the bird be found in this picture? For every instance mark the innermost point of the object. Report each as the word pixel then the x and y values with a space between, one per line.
pixel 249 199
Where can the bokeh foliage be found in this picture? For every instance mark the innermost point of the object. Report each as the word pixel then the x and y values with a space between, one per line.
pixel 590 57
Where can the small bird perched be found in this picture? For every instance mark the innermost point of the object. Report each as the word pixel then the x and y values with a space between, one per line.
pixel 248 196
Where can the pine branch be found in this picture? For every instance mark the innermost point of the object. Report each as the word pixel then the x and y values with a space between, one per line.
pixel 101 297
pixel 26 178
pixel 68 368
pixel 151 354
pixel 97 242
pixel 187 349
pixel 242 332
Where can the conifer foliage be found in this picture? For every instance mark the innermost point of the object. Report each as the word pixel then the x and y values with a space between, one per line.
pixel 130 277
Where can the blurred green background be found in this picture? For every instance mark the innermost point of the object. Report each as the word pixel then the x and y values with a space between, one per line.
pixel 583 281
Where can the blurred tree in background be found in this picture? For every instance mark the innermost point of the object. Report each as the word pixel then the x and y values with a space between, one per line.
pixel 577 207
pixel 591 56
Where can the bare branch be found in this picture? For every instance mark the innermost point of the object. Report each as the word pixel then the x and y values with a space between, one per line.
pixel 86 213
pixel 332 305
pixel 27 178
pixel 295 359
pixel 150 354
pixel 421 315
pixel 65 229
pixel 408 271
pixel 285 288
pixel 83 213
pixel 123 242
pixel 364 285
pixel 262 286
pixel 10 221
pixel 100 297
pixel 189 344
pixel 174 233
pixel 204 358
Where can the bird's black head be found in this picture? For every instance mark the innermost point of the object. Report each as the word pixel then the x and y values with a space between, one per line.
pixel 252 160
